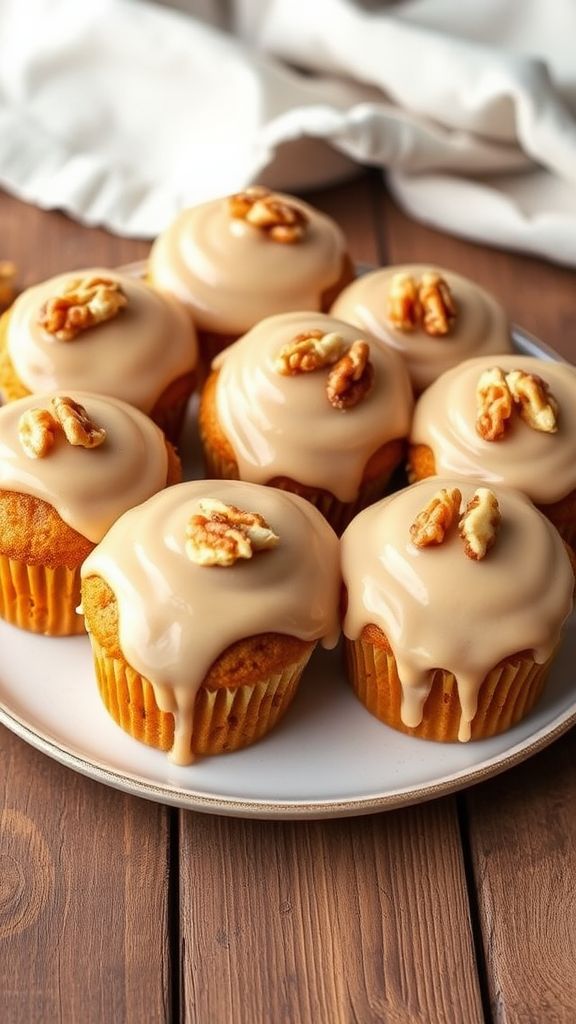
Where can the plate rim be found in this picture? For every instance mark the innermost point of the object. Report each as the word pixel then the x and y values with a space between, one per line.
pixel 137 785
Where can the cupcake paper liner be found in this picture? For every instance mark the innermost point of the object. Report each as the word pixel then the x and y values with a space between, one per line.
pixel 508 694
pixel 224 719
pixel 40 599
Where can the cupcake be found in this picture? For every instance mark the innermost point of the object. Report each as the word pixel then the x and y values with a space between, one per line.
pixel 203 607
pixel 456 599
pixel 513 422
pixel 236 260
pixel 433 317
pixel 101 331
pixel 69 466
pixel 303 403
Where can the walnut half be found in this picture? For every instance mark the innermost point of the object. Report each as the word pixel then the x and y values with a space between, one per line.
pixel 536 404
pixel 37 432
pixel 427 304
pixel 493 404
pixel 83 303
pixel 479 524
pixel 221 534
pixel 433 522
pixel 279 219
pixel 352 377
pixel 309 351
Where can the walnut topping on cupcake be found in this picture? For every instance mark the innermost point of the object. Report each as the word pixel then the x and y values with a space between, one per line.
pixel 280 220
pixel 309 351
pixel 83 303
pixel 427 304
pixel 221 534
pixel 479 524
pixel 38 428
pixel 536 404
pixel 434 521
pixel 351 378
pixel 497 395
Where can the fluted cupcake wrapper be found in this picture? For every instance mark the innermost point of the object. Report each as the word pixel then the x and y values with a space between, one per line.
pixel 508 694
pixel 338 513
pixel 40 599
pixel 224 719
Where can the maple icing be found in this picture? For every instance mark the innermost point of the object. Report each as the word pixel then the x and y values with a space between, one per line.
pixel 442 610
pixel 285 426
pixel 480 326
pixel 89 487
pixel 542 465
pixel 134 356
pixel 231 274
pixel 176 617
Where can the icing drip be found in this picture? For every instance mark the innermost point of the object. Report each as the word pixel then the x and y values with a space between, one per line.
pixel 442 610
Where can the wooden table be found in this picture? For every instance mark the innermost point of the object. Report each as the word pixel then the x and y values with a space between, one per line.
pixel 461 910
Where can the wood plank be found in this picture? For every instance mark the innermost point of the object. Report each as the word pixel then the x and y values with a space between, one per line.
pixel 342 921
pixel 362 920
pixel 83 869
pixel 83 897
pixel 523 841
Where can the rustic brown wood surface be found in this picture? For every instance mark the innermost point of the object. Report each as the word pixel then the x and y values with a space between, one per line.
pixel 459 911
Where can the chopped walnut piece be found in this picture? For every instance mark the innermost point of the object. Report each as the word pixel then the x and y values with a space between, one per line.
pixel 240 202
pixel 221 534
pixel 309 351
pixel 493 403
pixel 37 432
pixel 281 220
pixel 351 379
pixel 7 283
pixel 479 524
pixel 433 522
pixel 437 305
pixel 83 303
pixel 404 309
pixel 75 422
pixel 536 405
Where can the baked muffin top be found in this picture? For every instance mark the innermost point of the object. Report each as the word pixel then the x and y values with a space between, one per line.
pixel 538 460
pixel 233 271
pixel 99 330
pixel 276 405
pixel 455 598
pixel 89 456
pixel 433 317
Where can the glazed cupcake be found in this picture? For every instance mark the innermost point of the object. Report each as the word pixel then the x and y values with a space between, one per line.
pixel 509 421
pixel 69 466
pixel 432 317
pixel 203 607
pixel 303 403
pixel 456 598
pixel 235 260
pixel 102 331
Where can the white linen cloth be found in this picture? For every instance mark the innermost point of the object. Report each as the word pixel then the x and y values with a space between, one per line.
pixel 122 111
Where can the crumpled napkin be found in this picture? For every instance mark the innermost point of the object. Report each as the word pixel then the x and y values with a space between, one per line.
pixel 121 111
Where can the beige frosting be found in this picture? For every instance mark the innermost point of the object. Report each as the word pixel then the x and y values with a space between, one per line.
pixel 133 356
pixel 88 487
pixel 481 325
pixel 541 465
pixel 285 426
pixel 231 274
pixel 177 617
pixel 441 609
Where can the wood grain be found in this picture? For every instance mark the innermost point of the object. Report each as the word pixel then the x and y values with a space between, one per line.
pixel 523 841
pixel 362 920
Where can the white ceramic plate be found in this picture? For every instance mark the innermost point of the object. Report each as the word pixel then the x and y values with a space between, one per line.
pixel 328 757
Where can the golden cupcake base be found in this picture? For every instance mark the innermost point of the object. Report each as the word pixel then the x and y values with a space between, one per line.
pixel 40 599
pixel 507 695
pixel 224 719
